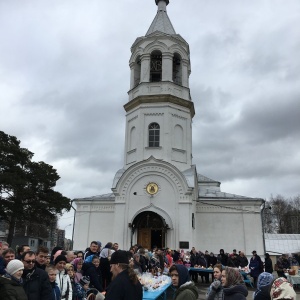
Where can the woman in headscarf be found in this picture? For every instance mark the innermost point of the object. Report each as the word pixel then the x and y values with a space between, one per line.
pixel 264 283
pixel 233 284
pixel 282 289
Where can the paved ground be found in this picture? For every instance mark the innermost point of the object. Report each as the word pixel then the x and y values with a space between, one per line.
pixel 203 289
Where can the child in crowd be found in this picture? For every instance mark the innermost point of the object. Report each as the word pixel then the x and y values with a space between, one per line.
pixel 78 267
pixel 52 271
pixel 71 273
pixel 82 288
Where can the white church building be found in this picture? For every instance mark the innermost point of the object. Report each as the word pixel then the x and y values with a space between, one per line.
pixel 158 197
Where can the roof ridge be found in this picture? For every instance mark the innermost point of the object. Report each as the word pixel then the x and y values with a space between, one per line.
pixel 161 21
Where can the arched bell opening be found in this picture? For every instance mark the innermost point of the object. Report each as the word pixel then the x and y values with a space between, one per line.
pixel 177 69
pixel 137 71
pixel 156 66
pixel 150 230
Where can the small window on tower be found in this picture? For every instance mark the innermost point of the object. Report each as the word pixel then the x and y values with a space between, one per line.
pixel 154 135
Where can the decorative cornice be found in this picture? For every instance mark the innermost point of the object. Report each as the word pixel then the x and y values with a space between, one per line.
pixel 95 208
pixel 153 114
pixel 133 118
pixel 178 116
pixel 223 208
pixel 160 99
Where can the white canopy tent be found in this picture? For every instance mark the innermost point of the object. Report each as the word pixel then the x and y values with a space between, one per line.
pixel 277 244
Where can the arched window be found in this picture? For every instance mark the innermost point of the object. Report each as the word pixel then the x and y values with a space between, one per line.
pixel 178 137
pixel 137 71
pixel 177 67
pixel 132 141
pixel 154 135
pixel 155 66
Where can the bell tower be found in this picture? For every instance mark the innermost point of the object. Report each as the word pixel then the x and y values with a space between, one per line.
pixel 160 110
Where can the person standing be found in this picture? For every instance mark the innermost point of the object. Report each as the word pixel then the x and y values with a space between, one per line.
pixel 52 272
pixel 93 250
pixel 215 291
pixel 125 284
pixel 105 256
pixel 92 270
pixel 255 266
pixel 222 257
pixel 11 283
pixel 243 260
pixel 35 281
pixel 264 283
pixel 282 289
pixel 41 257
pixel 184 288
pixel 62 278
pixel 268 263
pixel 233 284
pixel 282 265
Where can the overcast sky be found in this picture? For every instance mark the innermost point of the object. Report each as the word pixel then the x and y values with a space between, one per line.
pixel 64 78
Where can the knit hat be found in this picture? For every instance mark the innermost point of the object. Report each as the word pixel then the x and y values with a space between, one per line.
pixel 14 266
pixel 58 252
pixel 60 258
pixel 84 280
pixel 282 289
pixel 264 279
pixel 119 257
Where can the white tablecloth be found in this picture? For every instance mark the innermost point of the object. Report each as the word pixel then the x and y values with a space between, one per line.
pixel 293 279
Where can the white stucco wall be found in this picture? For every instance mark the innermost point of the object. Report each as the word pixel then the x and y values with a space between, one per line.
pixel 228 228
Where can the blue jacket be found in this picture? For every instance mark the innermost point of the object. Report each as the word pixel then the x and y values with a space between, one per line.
pixel 55 291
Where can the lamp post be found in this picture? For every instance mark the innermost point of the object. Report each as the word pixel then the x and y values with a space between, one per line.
pixel 67 226
pixel 65 234
pixel 73 223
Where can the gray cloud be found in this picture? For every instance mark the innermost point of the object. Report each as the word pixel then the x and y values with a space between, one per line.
pixel 64 78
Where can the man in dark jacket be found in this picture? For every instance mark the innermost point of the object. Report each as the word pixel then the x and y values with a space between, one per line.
pixel 268 264
pixel 222 257
pixel 35 281
pixel 93 250
pixel 41 257
pixel 194 262
pixel 125 284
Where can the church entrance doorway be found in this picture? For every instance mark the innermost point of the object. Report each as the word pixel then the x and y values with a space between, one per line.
pixel 151 230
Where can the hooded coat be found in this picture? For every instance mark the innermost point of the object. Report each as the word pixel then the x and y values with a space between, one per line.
pixel 186 289
pixel 264 283
pixel 11 289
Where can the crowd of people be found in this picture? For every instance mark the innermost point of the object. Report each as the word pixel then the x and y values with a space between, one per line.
pixel 110 273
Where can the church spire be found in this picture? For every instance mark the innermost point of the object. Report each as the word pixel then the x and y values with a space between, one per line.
pixel 161 21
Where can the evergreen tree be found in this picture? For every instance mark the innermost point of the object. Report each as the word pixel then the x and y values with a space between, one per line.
pixel 26 187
